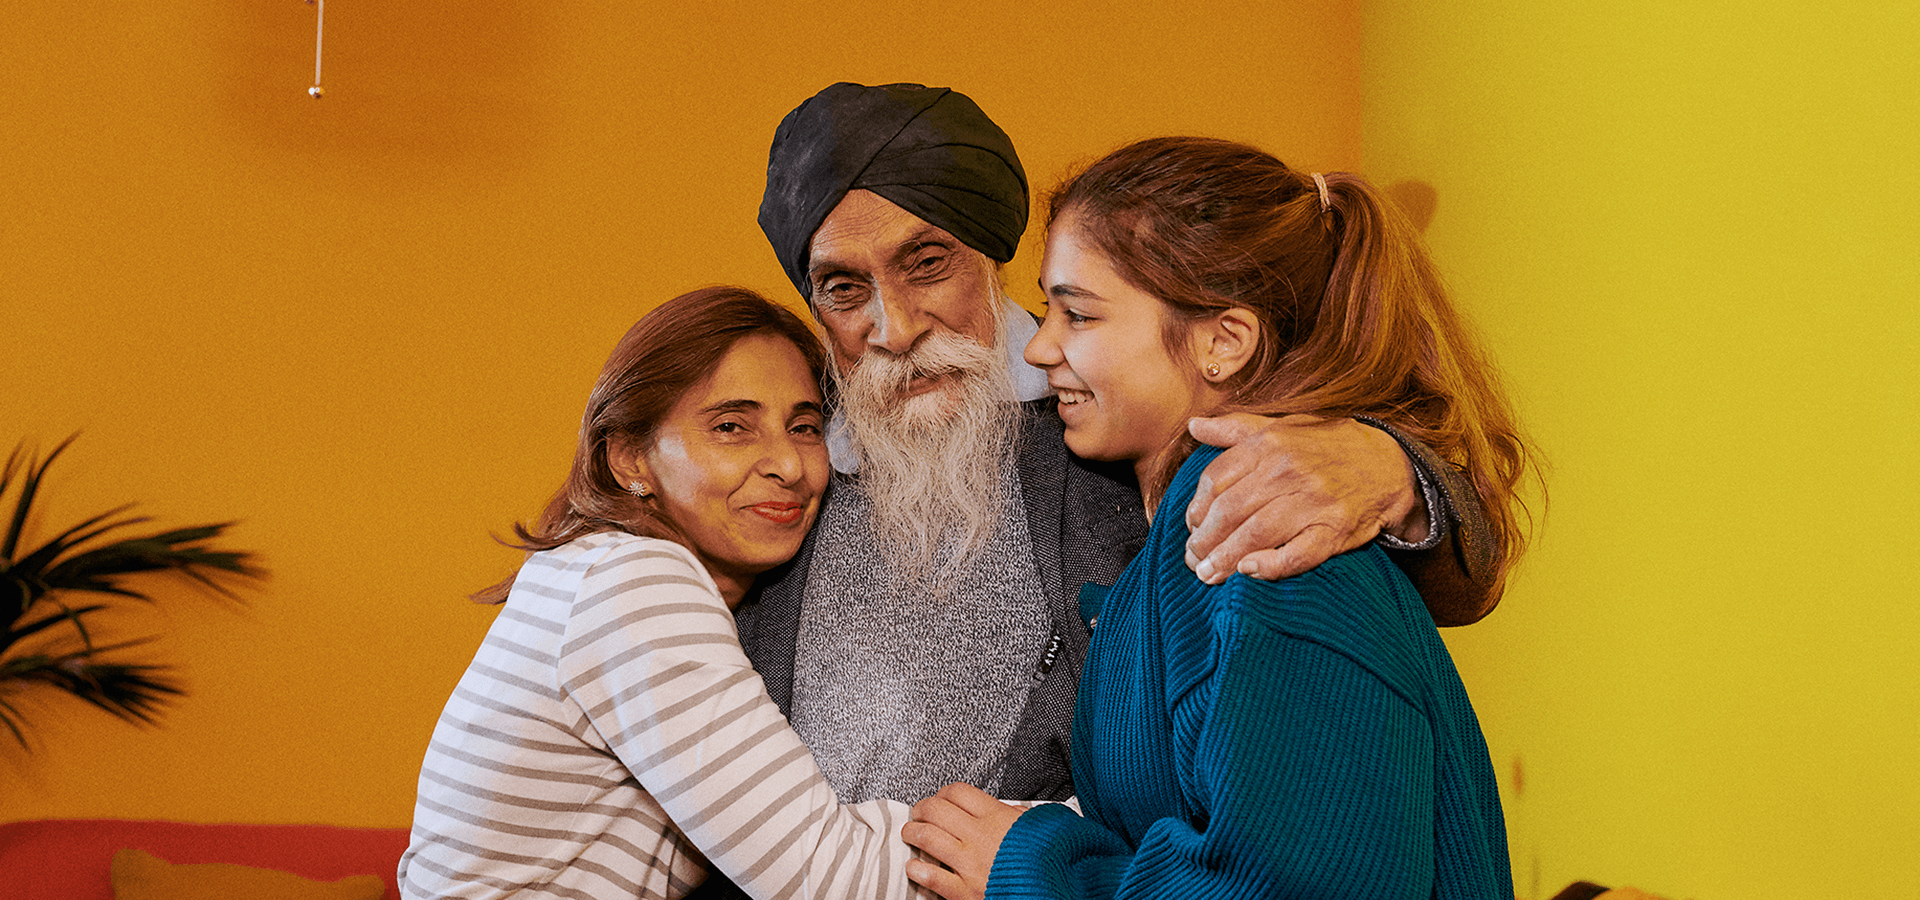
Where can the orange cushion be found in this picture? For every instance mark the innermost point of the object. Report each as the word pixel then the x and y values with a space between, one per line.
pixel 139 875
pixel 67 859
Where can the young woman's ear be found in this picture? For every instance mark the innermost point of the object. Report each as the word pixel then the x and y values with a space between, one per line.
pixel 1225 344
pixel 629 467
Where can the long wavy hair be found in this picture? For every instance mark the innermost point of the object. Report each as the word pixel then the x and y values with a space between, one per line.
pixel 669 352
pixel 1354 318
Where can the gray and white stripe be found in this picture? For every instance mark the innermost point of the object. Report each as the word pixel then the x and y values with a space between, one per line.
pixel 610 738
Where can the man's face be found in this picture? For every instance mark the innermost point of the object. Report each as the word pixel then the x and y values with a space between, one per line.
pixel 884 279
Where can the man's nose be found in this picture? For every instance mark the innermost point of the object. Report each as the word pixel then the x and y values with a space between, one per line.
pixel 897 321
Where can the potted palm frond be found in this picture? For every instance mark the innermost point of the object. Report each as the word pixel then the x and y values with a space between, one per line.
pixel 51 594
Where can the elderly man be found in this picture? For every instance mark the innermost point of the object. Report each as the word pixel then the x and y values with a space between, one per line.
pixel 930 630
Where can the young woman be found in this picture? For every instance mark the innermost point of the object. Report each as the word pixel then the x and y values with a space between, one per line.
pixel 1302 738
pixel 610 738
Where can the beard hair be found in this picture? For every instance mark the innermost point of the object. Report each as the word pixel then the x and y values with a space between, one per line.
pixel 934 466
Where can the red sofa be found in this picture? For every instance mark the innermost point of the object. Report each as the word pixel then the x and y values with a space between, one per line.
pixel 68 859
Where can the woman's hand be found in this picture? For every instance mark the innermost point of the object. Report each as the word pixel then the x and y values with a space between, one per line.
pixel 961 827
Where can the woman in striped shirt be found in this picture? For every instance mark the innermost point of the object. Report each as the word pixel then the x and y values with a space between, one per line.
pixel 610 739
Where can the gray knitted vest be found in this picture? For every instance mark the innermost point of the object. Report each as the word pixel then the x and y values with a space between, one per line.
pixel 898 691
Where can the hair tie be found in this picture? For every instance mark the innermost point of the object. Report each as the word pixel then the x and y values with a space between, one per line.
pixel 1321 181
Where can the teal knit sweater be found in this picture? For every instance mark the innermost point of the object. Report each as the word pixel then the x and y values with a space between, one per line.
pixel 1305 738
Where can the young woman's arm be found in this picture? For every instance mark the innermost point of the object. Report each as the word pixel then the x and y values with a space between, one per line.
pixel 1312 779
pixel 1303 798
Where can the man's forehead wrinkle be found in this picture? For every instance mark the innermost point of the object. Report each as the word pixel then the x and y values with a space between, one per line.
pixel 844 233
pixel 865 235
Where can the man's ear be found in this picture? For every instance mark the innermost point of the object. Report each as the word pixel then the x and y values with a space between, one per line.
pixel 628 463
pixel 1226 343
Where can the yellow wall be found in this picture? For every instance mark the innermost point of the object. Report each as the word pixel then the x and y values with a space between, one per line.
pixel 1692 234
pixel 365 325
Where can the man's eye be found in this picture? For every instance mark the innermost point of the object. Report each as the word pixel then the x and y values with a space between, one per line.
pixel 840 294
pixel 729 427
pixel 930 264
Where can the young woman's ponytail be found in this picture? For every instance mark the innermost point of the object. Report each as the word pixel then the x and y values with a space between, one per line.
pixel 1355 319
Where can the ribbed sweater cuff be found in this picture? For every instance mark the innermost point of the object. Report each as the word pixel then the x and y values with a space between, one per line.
pixel 1052 853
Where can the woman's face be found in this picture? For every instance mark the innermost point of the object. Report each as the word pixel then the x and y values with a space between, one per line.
pixel 1123 396
pixel 740 462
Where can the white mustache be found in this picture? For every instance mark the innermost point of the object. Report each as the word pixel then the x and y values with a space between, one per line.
pixel 943 353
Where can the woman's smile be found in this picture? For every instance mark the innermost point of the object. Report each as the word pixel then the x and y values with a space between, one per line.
pixel 779 513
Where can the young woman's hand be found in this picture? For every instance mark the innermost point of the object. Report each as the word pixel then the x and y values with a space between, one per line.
pixel 961 827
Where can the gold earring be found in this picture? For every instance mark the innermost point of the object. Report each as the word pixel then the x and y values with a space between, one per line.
pixel 1213 370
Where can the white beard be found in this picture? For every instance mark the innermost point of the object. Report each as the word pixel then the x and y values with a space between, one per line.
pixel 933 465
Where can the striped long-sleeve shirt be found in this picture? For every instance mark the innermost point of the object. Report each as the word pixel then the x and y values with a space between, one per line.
pixel 610 737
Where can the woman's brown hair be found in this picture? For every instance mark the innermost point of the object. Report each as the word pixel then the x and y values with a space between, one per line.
pixel 1354 318
pixel 670 351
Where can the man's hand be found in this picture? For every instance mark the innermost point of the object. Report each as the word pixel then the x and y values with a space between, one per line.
pixel 1291 492
pixel 961 827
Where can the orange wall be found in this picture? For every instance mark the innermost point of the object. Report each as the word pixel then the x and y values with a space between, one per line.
pixel 1692 234
pixel 364 326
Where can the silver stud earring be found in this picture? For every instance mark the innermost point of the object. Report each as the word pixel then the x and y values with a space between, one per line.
pixel 639 489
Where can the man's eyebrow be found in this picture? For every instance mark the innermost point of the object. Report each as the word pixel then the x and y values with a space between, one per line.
pixel 903 254
pixel 808 406
pixel 818 269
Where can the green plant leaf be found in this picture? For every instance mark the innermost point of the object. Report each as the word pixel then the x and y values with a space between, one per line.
pixel 65 615
pixel 28 488
pixel 39 559
pixel 80 559
pixel 131 692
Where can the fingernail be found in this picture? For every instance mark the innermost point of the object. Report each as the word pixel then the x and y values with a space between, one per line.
pixel 1205 572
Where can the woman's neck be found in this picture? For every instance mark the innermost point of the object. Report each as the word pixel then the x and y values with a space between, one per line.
pixel 1149 472
pixel 1155 471
pixel 732 589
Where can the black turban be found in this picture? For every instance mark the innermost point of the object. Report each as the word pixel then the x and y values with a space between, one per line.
pixel 930 151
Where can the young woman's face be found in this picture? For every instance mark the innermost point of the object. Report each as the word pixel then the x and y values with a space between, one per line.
pixel 1123 396
pixel 740 462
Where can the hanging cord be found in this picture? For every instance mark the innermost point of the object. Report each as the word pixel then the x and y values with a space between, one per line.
pixel 319 30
